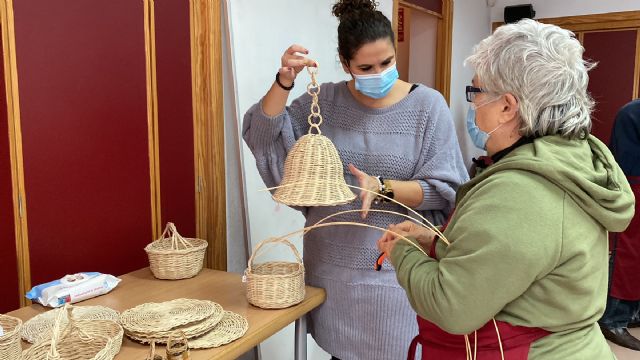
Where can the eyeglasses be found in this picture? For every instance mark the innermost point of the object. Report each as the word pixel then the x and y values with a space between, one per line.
pixel 472 91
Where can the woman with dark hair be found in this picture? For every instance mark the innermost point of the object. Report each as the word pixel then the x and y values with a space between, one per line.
pixel 386 131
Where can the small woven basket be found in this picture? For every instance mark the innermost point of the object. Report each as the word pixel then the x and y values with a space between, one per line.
pixel 173 257
pixel 178 347
pixel 276 284
pixel 10 347
pixel 78 340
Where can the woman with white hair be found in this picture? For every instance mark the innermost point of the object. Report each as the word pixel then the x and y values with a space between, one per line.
pixel 525 274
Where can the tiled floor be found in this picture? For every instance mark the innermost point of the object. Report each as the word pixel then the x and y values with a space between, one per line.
pixel 626 354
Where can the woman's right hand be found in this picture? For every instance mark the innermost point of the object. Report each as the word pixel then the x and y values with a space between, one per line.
pixel 292 63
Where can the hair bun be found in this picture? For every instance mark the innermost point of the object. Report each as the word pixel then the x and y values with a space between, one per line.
pixel 344 8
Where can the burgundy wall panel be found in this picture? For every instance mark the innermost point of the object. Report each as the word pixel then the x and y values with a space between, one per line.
pixel 9 295
pixel 175 116
pixel 611 82
pixel 81 72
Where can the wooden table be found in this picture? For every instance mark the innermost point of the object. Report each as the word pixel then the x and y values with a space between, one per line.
pixel 224 288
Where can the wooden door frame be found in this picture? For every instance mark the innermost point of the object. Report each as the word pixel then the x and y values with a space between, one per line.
pixel 443 43
pixel 208 125
pixel 612 21
pixel 577 23
pixel 15 145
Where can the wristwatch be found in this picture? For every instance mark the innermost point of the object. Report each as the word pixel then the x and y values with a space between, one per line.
pixel 387 190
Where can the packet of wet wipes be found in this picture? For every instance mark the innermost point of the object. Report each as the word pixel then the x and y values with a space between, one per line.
pixel 72 288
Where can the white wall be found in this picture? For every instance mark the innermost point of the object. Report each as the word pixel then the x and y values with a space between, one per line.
pixel 237 249
pixel 422 57
pixel 557 8
pixel 471 23
pixel 260 31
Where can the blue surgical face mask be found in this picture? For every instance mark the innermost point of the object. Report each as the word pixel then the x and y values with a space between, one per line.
pixel 478 137
pixel 377 86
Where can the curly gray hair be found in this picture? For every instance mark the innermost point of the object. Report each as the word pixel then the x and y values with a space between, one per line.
pixel 542 66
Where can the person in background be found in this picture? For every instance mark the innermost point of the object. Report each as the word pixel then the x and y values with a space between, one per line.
pixel 624 264
pixel 381 126
pixel 525 275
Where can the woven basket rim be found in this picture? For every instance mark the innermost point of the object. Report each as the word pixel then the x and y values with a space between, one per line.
pixel 150 248
pixel 32 329
pixel 216 337
pixel 295 272
pixel 16 328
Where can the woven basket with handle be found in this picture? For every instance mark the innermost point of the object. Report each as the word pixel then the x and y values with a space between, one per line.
pixel 275 284
pixel 174 257
pixel 78 340
pixel 10 347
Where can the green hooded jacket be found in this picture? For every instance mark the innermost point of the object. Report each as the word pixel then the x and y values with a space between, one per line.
pixel 528 247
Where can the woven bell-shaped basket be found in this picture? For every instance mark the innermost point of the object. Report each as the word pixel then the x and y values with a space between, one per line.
pixel 313 175
pixel 10 346
pixel 313 171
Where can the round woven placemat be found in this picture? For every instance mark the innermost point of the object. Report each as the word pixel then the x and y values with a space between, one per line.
pixel 151 318
pixel 39 327
pixel 190 330
pixel 231 327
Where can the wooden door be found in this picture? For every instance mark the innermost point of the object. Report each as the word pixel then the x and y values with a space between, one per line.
pixel 83 105
pixel 10 295
pixel 175 115
pixel 611 83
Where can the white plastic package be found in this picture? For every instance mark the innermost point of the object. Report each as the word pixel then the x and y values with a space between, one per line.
pixel 1 331
pixel 73 288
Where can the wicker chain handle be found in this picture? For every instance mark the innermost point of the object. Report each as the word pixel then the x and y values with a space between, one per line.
pixel 313 89
pixel 281 240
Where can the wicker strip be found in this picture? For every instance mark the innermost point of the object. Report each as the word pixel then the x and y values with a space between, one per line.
pixel 39 327
pixel 275 285
pixel 152 353
pixel 232 326
pixel 164 316
pixel 78 340
pixel 174 257
pixel 191 330
pixel 10 347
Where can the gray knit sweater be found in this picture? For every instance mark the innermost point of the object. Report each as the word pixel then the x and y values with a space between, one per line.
pixel 366 315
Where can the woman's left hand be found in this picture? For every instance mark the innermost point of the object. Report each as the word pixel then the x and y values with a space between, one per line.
pixel 366 182
pixel 387 242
